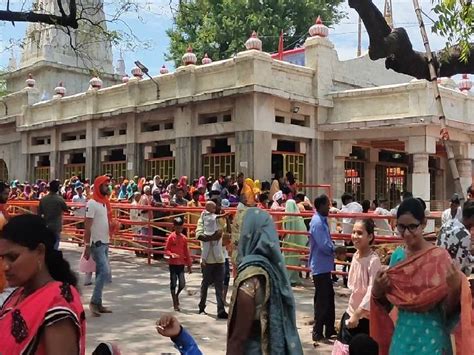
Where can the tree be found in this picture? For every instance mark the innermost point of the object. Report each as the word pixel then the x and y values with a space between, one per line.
pixel 396 47
pixel 220 28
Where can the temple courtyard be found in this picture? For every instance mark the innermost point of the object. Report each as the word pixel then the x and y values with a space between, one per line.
pixel 139 295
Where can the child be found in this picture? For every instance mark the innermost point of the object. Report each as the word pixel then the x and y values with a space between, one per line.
pixel 364 267
pixel 178 253
pixel 209 219
pixel 341 255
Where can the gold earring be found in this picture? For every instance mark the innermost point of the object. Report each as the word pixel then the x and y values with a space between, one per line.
pixel 40 266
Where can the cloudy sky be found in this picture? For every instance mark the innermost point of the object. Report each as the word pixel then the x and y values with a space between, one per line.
pixel 150 26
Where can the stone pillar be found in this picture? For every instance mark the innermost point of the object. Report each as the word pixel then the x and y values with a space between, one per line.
pixel 132 152
pixel 253 154
pixel 341 150
pixel 54 161
pixel 184 156
pixel 92 163
pixel 421 177
pixel 370 165
pixel 321 56
pixel 464 153
pixel 465 172
pixel 420 148
pixel 54 157
pixel 25 166
pixel 92 156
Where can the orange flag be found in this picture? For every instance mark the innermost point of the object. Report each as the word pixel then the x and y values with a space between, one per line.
pixel 280 46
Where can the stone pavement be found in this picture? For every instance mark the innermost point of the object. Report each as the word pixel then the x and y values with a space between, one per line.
pixel 139 294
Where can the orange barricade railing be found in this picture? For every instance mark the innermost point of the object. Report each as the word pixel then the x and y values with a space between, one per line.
pixel 147 236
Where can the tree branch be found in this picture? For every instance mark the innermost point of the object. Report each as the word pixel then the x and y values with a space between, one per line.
pixel 61 8
pixel 396 47
pixel 50 19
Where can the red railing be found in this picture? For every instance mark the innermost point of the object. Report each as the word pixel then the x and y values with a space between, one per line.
pixel 139 236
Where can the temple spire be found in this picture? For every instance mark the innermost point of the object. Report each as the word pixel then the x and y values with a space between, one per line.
pixel 12 61
pixel 48 43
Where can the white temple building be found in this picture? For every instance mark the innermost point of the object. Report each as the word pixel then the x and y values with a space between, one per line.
pixel 351 124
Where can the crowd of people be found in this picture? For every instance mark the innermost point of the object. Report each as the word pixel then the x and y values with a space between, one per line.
pixel 427 284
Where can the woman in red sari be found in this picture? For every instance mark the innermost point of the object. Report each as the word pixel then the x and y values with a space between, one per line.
pixel 44 315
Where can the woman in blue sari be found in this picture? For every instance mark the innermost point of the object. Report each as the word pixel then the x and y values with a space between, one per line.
pixel 262 313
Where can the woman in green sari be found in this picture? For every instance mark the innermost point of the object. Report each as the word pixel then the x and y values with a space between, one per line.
pixel 294 241
pixel 262 316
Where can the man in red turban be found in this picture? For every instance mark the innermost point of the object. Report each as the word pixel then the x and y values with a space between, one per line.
pixel 99 226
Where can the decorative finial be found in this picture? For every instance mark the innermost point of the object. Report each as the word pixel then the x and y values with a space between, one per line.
pixel 254 42
pixel 318 29
pixel 30 82
pixel 465 84
pixel 95 83
pixel 164 70
pixel 60 90
pixel 206 60
pixel 189 57
pixel 137 72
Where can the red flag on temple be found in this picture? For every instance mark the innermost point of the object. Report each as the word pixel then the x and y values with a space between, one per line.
pixel 280 46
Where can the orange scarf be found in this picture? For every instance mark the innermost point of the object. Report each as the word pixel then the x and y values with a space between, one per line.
pixel 103 199
pixel 417 285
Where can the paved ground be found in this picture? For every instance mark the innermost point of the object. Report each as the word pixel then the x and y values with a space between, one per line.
pixel 139 294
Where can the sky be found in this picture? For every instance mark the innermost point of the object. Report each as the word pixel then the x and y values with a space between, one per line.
pixel 157 18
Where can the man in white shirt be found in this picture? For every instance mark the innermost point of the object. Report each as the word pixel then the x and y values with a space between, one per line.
pixel 79 198
pixel 383 225
pixel 406 195
pixel 96 240
pixel 349 206
pixel 454 211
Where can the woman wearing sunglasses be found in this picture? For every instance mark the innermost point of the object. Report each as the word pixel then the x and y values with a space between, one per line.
pixel 422 291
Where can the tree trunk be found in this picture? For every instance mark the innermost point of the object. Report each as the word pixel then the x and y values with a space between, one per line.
pixel 396 47
pixel 439 105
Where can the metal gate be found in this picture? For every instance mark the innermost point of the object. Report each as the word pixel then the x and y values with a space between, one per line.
pixel 3 171
pixel 390 182
pixel 214 165
pixel 71 170
pixel 164 167
pixel 116 168
pixel 283 162
pixel 42 173
pixel 296 164
pixel 354 178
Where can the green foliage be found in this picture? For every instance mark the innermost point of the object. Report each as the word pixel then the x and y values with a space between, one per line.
pixel 3 87
pixel 456 23
pixel 221 27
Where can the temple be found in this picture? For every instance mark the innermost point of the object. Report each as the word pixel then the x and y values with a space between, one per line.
pixel 351 124
pixel 52 55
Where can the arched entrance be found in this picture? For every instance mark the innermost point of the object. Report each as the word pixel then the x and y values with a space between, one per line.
pixel 3 170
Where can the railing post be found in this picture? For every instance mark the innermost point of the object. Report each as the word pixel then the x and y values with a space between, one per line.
pixel 150 237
